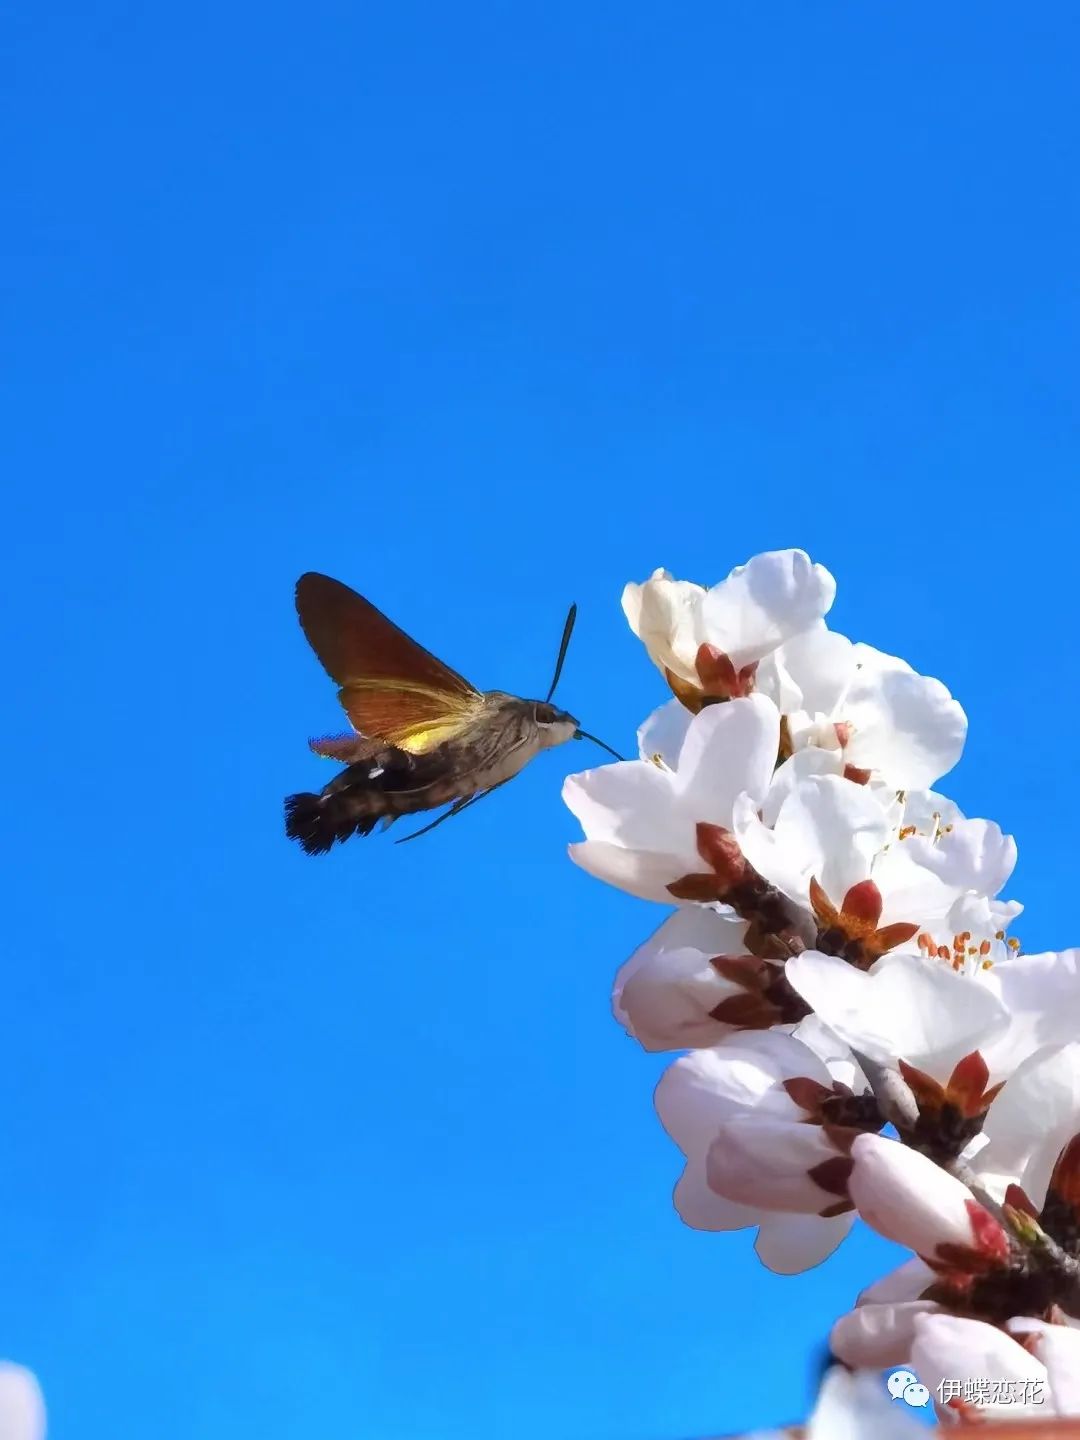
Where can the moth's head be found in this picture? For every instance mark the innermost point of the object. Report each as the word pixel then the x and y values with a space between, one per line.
pixel 553 725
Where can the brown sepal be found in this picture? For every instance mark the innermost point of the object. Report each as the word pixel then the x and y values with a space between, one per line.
pixel 746 1012
pixel 967 1083
pixel 842 1207
pixel 862 905
pixel 753 1009
pixel 719 849
pixel 1018 1199
pixel 990 1236
pixel 745 970
pixel 1065 1180
pixel 719 678
pixel 833 1175
pixel 856 775
pixel 808 1094
pixel 965 1090
pixel 699 888
pixel 953 1258
pixel 929 1093
pixel 890 936
pixel 842 1136
pixel 851 930
pixel 687 694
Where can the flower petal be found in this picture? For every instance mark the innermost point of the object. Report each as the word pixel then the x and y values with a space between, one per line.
pixel 764 602
pixel 698 1092
pixel 758 1160
pixel 664 993
pixel 663 733
pixel 663 614
pixel 1058 1348
pixel 878 1335
pixel 812 671
pixel 1031 1122
pixel 828 829
pixel 22 1408
pixel 857 1407
pixel 1042 996
pixel 703 1209
pixel 729 749
pixel 644 873
pixel 971 855
pixel 949 1348
pixel 906 1282
pixel 792 1244
pixel 906 726
pixel 907 1198
pixel 904 1008
pixel 631 802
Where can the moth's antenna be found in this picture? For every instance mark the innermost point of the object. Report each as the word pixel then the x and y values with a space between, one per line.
pixel 584 735
pixel 568 630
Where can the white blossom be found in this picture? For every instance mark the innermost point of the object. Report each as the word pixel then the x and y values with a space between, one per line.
pixel 933 1016
pixel 869 710
pixel 1058 1348
pixel 1031 1122
pixel 747 1116
pixel 907 1198
pixel 743 618
pixel 907 1008
pixel 878 1335
pixel 995 1376
pixel 668 993
pixel 647 825
pixel 866 1038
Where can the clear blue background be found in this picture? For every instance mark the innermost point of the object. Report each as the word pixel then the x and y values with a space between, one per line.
pixel 482 308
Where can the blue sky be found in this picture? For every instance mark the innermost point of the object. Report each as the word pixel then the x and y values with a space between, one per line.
pixel 481 308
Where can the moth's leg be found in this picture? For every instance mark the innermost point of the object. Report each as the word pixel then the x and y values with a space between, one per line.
pixel 455 809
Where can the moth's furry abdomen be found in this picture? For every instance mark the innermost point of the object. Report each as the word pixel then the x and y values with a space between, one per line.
pixel 387 783
pixel 316 821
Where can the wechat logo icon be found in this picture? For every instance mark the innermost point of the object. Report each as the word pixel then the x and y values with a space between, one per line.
pixel 903 1385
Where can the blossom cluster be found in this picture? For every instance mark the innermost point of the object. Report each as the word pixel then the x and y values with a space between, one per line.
pixel 858 1033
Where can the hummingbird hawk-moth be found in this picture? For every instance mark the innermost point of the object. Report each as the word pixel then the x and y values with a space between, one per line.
pixel 423 736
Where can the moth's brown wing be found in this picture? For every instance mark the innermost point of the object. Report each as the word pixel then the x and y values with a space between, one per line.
pixel 391 687
pixel 348 749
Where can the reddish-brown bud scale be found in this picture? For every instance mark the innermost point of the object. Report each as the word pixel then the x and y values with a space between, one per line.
pixel 856 775
pixel 862 904
pixel 720 850
pixel 719 678
pixel 990 1239
pixel 1065 1181
pixel 1017 1199
pixel 808 1094
pixel 833 1175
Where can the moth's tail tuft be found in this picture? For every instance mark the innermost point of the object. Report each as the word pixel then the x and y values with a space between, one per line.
pixel 316 821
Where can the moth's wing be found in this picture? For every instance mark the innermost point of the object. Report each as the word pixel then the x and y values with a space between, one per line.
pixel 355 641
pixel 348 749
pixel 391 687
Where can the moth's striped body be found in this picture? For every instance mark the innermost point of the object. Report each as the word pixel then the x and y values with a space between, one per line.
pixel 384 782
pixel 425 737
